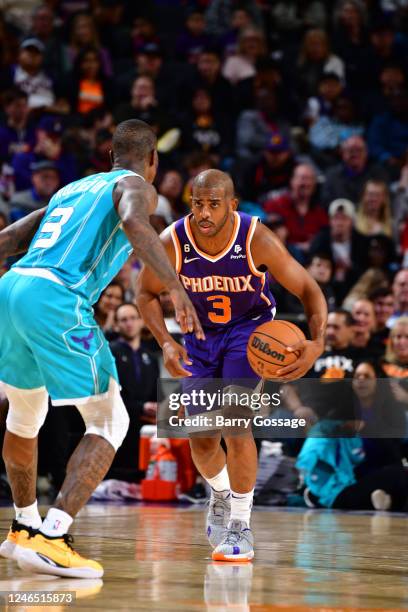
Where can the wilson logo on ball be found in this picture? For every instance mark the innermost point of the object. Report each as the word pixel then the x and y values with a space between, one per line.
pixel 265 348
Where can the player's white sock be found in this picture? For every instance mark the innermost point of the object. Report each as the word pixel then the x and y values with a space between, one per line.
pixel 241 506
pixel 220 483
pixel 29 515
pixel 56 523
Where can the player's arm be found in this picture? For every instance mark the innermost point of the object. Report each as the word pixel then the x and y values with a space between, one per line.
pixel 267 250
pixel 135 201
pixel 16 238
pixel 148 290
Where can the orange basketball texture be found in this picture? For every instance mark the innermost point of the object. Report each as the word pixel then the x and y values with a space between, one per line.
pixel 267 344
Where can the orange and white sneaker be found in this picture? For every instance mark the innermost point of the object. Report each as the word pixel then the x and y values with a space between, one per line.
pixel 237 544
pixel 18 534
pixel 42 554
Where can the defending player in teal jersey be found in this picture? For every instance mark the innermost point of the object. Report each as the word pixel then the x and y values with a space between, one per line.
pixel 51 344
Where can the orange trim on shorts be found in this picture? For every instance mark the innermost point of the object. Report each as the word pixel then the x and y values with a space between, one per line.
pixel 237 223
pixel 177 248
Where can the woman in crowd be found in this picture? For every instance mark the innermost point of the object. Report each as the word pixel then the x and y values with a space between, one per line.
pixel 315 59
pixel 358 472
pixel 374 210
pixel 251 47
pixel 84 34
pixel 395 364
pixel 90 88
pixel 106 306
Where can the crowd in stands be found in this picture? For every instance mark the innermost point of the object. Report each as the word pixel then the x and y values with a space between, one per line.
pixel 305 104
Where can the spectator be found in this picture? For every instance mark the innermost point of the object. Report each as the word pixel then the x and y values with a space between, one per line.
pixel 384 49
pixel 271 176
pixel 321 105
pixel 347 179
pixel 383 301
pixel 320 268
pixel 303 216
pixel 363 314
pixel 43 27
pixel 193 39
pixel 45 182
pixel 138 373
pixel 84 35
pixel 315 59
pixel 30 76
pixel 345 246
pixel 89 88
pixel 240 20
pixel 374 211
pixel 49 147
pixel 208 75
pixel 327 134
pixel 219 14
pixel 251 47
pixel 350 40
pixel 400 292
pixel 205 130
pixel 395 364
pixel 255 127
pixel 356 473
pixel 17 134
pixel 170 206
pixel 340 356
pixel 99 160
pixel 110 299
pixel 388 133
pixel 148 61
pixel 144 105
pixel 143 33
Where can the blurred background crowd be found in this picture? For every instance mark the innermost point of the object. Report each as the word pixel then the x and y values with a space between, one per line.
pixel 304 103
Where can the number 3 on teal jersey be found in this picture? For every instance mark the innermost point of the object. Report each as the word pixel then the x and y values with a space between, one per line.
pixel 53 227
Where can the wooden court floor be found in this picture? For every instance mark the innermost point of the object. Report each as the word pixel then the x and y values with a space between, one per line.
pixel 157 558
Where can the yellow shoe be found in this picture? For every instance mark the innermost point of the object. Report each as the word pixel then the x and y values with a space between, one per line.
pixel 45 555
pixel 18 534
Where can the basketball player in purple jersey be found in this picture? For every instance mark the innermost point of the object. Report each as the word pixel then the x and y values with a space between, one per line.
pixel 223 259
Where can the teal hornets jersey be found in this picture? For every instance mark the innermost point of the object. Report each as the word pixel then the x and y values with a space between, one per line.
pixel 80 239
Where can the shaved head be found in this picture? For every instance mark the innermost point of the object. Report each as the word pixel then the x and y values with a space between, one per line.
pixel 214 179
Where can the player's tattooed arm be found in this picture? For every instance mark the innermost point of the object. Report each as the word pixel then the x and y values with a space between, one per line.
pixel 269 252
pixel 148 290
pixel 16 238
pixel 136 200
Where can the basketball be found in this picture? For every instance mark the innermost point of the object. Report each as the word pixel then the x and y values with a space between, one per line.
pixel 267 344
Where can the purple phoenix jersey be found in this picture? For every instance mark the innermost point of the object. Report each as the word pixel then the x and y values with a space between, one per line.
pixel 225 288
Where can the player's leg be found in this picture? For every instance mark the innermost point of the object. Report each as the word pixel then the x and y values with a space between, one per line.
pixel 26 414
pixel 28 404
pixel 207 453
pixel 242 461
pixel 77 366
pixel 49 551
pixel 210 460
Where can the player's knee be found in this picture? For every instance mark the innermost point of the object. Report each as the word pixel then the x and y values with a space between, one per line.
pixel 204 446
pixel 239 443
pixel 107 417
pixel 27 411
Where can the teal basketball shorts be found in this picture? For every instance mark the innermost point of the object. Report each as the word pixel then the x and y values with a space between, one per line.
pixel 49 338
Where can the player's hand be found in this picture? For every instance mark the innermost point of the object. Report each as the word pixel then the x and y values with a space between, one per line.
pixel 173 353
pixel 310 351
pixel 186 315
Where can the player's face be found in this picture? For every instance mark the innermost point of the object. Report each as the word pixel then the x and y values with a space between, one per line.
pixel 211 209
